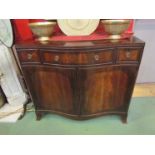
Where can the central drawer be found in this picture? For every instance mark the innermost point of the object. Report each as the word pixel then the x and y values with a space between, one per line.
pixel 78 58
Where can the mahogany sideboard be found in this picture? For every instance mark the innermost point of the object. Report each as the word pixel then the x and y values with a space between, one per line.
pixel 81 79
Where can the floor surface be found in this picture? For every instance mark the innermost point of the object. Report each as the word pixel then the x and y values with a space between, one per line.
pixel 141 121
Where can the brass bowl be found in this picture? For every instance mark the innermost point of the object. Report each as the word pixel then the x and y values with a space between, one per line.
pixel 115 27
pixel 42 30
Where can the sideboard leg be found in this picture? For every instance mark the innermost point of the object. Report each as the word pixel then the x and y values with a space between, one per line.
pixel 38 115
pixel 124 118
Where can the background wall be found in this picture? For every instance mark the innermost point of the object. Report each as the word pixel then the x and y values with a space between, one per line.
pixel 145 30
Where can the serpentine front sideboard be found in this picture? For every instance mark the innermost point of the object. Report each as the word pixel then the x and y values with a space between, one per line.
pixel 81 79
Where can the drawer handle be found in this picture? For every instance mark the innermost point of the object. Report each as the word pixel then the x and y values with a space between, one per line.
pixel 29 56
pixel 128 54
pixel 56 58
pixel 96 57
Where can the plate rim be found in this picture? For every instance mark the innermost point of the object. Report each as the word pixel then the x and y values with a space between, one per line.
pixel 73 32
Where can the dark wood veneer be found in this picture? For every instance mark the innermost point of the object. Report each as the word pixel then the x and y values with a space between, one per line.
pixel 83 79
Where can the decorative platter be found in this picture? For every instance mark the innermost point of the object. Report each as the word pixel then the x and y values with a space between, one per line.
pixel 78 27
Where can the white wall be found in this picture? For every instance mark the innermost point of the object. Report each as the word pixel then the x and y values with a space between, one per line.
pixel 145 30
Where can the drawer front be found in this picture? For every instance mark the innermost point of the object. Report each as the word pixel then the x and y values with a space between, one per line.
pixel 79 58
pixel 59 58
pixel 129 55
pixel 29 56
pixel 106 57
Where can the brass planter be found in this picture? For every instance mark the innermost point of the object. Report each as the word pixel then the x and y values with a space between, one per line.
pixel 42 30
pixel 115 28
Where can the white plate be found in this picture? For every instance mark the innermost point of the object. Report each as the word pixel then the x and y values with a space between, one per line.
pixel 78 27
pixel 6 35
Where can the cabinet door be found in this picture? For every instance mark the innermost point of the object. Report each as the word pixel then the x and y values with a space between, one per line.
pixel 53 88
pixel 106 89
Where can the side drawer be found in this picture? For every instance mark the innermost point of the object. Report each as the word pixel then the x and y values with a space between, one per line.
pixel 129 55
pixel 29 56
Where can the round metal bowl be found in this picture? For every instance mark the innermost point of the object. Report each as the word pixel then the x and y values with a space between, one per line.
pixel 115 27
pixel 42 30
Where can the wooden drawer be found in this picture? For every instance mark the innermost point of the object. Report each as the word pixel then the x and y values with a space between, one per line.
pixel 105 57
pixel 80 58
pixel 129 55
pixel 29 56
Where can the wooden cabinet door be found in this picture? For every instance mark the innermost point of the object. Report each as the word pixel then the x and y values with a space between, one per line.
pixel 53 88
pixel 106 89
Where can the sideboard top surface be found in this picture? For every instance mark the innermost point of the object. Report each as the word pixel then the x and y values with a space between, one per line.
pixel 134 41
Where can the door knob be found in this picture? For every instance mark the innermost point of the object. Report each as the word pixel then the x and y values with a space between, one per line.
pixel 128 54
pixel 56 58
pixel 96 57
pixel 29 56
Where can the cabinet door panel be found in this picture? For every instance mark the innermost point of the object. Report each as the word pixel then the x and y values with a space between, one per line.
pixel 53 88
pixel 106 89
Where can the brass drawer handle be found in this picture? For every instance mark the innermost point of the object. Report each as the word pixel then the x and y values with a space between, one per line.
pixel 56 58
pixel 29 56
pixel 128 54
pixel 96 57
